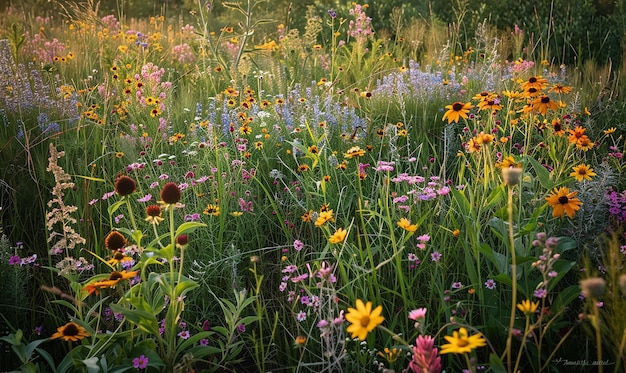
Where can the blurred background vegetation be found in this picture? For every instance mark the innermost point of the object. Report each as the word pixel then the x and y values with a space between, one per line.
pixel 571 31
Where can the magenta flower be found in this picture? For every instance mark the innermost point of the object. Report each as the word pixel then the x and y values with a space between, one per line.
pixel 425 357
pixel 140 362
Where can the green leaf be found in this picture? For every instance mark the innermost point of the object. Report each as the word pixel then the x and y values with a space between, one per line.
pixel 188 227
pixel 193 340
pixel 111 210
pixel 142 316
pixel 566 296
pixel 184 286
pixel 32 346
pixel 496 364
pixel 503 279
pixel 561 267
pixel 542 173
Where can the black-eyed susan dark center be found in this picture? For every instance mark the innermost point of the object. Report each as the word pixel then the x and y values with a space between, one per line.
pixel 115 275
pixel 457 106
pixel 532 79
pixel 545 100
pixel 71 330
pixel 563 200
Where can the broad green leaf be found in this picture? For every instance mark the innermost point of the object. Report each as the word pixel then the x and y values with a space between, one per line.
pixel 111 210
pixel 496 364
pixel 542 173
pixel 141 316
pixel 184 286
pixel 188 227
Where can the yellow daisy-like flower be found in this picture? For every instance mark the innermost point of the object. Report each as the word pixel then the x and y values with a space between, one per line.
pixel 543 104
pixel 610 131
pixel 354 151
pixel 527 306
pixel 324 217
pixel 563 202
pixel 70 332
pixel 363 319
pixel 560 88
pixel 460 342
pixel 582 172
pixel 457 111
pixel 338 236
pixel 212 210
pixel 406 225
pixel 536 82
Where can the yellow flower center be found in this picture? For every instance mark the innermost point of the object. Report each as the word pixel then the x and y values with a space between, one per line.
pixel 365 321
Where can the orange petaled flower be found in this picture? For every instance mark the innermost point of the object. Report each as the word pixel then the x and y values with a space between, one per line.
pixel 557 127
pixel 531 93
pixel 485 138
pixel 493 105
pixel 473 145
pixel 543 104
pixel 563 202
pixel 484 96
pixel 70 332
pixel 457 111
pixel 119 257
pixel 560 88
pixel 114 278
pixel 584 143
pixel 537 82
pixel 406 225
pixel 582 172
pixel 306 217
pixel 577 133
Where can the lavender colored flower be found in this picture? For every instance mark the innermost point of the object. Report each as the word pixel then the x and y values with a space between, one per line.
pixel 435 256
pixel 490 284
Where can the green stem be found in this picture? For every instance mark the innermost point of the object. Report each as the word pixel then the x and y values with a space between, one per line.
pixel 509 338
pixel 519 353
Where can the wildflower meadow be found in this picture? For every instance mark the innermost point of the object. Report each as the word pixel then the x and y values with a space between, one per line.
pixel 232 187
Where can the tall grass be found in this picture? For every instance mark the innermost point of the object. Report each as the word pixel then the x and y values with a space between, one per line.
pixel 277 179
